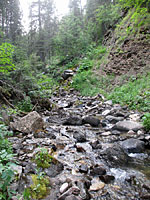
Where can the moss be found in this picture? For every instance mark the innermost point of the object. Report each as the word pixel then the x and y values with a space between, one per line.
pixel 39 189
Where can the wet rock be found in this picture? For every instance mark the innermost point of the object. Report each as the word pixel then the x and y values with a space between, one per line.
pixel 113 119
pixel 96 144
pixel 120 114
pixel 64 188
pixel 80 137
pixel 76 121
pixel 95 122
pixel 67 73
pixel 97 170
pixel 30 123
pixel 107 178
pixel 106 112
pixel 83 168
pixel 72 191
pixel 115 156
pixel 133 145
pixel 128 125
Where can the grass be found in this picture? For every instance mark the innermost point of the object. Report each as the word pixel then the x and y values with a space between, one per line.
pixel 89 84
pixel 135 94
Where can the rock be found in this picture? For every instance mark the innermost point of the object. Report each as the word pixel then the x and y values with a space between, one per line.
pixel 72 191
pixel 96 144
pixel 76 121
pixel 106 178
pixel 128 125
pixel 106 112
pixel 113 119
pixel 73 197
pixel 115 156
pixel 96 185
pixel 67 73
pixel 109 102
pixel 30 168
pixel 30 123
pixel 17 170
pixel 83 168
pixel 64 188
pixel 55 168
pixel 95 122
pixel 107 133
pixel 97 170
pixel 119 114
pixel 133 145
pixel 134 117
pixel 83 147
pixel 84 194
pixel 80 137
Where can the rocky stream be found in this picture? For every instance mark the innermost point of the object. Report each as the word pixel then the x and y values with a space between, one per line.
pixel 100 150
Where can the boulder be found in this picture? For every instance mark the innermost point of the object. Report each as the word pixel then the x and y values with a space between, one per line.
pixel 73 120
pixel 133 145
pixel 115 156
pixel 95 122
pixel 28 124
pixel 97 170
pixel 127 126
pixel 79 136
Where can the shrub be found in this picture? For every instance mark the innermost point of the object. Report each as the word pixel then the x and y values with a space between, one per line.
pixel 6 61
pixel 25 105
pixel 6 163
pixel 146 121
pixel 43 158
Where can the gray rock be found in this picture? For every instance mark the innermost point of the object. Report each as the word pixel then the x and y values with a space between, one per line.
pixel 84 194
pixel 133 145
pixel 80 137
pixel 97 170
pixel 107 178
pixel 30 123
pixel 72 191
pixel 76 121
pixel 115 156
pixel 83 168
pixel 128 125
pixel 83 147
pixel 64 188
pixel 73 197
pixel 96 144
pixel 113 119
pixel 106 112
pixel 95 122
pixel 55 168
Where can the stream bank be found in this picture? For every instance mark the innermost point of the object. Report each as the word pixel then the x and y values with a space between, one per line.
pixel 100 151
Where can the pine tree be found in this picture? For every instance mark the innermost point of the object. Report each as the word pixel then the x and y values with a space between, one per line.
pixel 10 19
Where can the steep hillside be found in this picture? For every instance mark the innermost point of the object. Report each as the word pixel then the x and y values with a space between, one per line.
pixel 129 47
